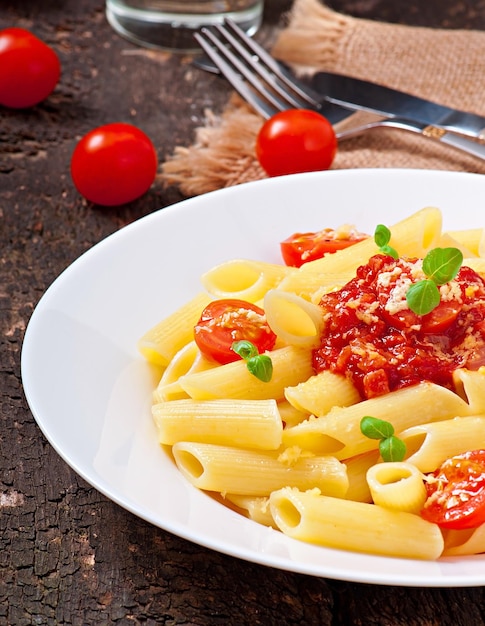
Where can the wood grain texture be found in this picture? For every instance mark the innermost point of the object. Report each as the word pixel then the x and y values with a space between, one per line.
pixel 68 555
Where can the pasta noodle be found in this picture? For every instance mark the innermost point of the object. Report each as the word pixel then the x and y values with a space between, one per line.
pixel 243 279
pixel 254 507
pixel 254 425
pixel 162 342
pixel 397 486
pixel 338 432
pixel 320 393
pixel 338 523
pixel 234 470
pixel 290 366
pixel 428 445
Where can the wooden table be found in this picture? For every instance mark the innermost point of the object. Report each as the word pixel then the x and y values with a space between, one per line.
pixel 68 555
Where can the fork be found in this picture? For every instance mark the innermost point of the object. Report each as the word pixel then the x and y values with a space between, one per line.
pixel 269 88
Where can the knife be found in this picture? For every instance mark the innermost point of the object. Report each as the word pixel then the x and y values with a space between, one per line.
pixel 375 98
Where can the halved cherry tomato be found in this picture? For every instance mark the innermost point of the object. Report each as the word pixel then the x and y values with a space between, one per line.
pixel 435 323
pixel 29 69
pixel 456 492
pixel 303 247
pixel 297 140
pixel 225 321
pixel 114 164
pixel 441 318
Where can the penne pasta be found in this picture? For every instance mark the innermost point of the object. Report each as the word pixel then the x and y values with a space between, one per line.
pixel 255 425
pixel 291 416
pixel 296 321
pixel 243 279
pixel 291 365
pixel 397 486
pixel 357 467
pixel 413 237
pixel 471 386
pixel 448 241
pixel 320 393
pixel 464 542
pixel 187 360
pixel 470 238
pixel 428 445
pixel 162 342
pixel 311 285
pixel 254 507
pixel 338 432
pixel 234 470
pixel 337 523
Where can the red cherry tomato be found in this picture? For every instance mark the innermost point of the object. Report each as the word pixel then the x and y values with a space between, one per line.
pixel 114 164
pixel 29 69
pixel 456 492
pixel 296 141
pixel 225 321
pixel 303 247
pixel 441 318
pixel 434 323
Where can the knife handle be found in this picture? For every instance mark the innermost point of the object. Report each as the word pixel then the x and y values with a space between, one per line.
pixel 462 143
pixel 425 130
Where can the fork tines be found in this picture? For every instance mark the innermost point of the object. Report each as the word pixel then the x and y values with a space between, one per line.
pixel 254 74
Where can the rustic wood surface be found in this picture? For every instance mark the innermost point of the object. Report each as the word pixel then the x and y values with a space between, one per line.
pixel 68 555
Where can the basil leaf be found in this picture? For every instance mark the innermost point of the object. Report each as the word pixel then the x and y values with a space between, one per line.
pixel 382 235
pixel 245 349
pixel 422 297
pixel 392 449
pixel 261 366
pixel 375 428
pixel 390 251
pixel 442 264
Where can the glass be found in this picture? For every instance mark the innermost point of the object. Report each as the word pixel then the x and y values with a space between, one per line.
pixel 170 24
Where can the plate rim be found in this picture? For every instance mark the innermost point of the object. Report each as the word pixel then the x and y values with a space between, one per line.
pixel 142 223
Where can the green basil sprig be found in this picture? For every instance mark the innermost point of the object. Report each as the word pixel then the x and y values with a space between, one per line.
pixel 440 266
pixel 382 236
pixel 259 365
pixel 391 448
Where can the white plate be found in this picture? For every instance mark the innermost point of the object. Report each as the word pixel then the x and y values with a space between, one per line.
pixel 89 389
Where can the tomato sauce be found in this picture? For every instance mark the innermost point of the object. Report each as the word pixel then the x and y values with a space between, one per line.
pixel 371 335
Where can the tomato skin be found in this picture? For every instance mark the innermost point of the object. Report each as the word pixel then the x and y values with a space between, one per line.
pixel 29 69
pixel 227 320
pixel 297 140
pixel 300 248
pixel 456 493
pixel 114 164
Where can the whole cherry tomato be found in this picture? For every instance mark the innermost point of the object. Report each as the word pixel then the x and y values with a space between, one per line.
pixel 297 140
pixel 456 492
pixel 29 69
pixel 228 320
pixel 114 164
pixel 300 248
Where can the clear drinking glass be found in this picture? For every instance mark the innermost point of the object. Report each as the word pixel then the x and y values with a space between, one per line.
pixel 170 24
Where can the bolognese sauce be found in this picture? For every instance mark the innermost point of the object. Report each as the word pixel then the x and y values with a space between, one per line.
pixel 372 336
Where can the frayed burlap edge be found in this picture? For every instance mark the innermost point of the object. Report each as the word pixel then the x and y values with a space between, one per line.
pixel 221 156
pixel 315 33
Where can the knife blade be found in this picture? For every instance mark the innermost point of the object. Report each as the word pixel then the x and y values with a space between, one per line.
pixel 375 98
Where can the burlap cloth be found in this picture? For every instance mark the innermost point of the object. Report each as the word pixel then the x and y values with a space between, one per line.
pixel 447 66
